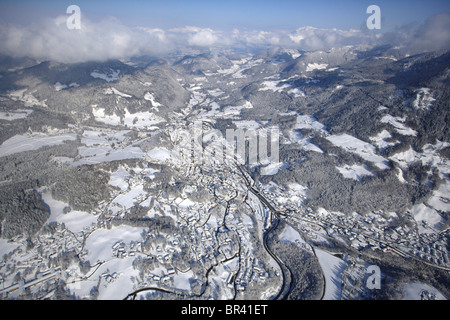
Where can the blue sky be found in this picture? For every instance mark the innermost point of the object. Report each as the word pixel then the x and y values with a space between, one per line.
pixel 227 15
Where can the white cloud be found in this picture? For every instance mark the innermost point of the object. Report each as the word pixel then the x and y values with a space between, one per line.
pixel 433 35
pixel 261 38
pixel 310 38
pixel 203 38
pixel 296 38
pixel 186 29
pixel 160 34
pixel 110 39
pixel 51 39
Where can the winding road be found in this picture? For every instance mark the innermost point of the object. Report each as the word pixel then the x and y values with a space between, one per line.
pixel 285 271
pixel 274 221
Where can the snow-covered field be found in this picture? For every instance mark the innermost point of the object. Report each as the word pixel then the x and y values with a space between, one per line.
pixel 215 93
pixel 118 271
pixel 59 86
pixel 380 140
pixel 316 66
pixel 427 215
pixel 27 98
pixel 273 86
pixel 110 76
pixel 15 114
pixel 101 116
pixel 332 268
pixel 296 137
pixel 363 149
pixel 139 120
pixel 429 156
pixel 125 201
pixel 149 97
pixel 105 146
pixel 30 142
pixel 239 66
pixel 428 220
pixel 440 198
pixel 416 290
pixel 356 172
pixel 121 176
pixel 74 220
pixel 100 242
pixel 296 92
pixel 105 154
pixel 97 249
pixel 7 246
pixel 398 124
pixel 309 122
pixel 232 111
pixel 159 154
pixel 289 234
pixel 273 168
pixel 116 92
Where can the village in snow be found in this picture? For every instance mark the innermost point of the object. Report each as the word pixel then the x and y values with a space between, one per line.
pixel 177 226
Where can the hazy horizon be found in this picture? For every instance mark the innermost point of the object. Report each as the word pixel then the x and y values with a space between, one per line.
pixel 116 30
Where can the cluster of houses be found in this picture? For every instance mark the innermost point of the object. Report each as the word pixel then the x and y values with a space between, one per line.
pixel 38 264
pixel 253 272
pixel 158 278
pixel 373 231
pixel 120 250
pixel 435 253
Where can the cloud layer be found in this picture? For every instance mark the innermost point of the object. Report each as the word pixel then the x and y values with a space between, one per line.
pixel 110 39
